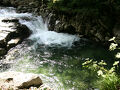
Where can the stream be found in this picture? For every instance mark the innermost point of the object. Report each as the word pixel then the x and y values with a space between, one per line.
pixel 56 57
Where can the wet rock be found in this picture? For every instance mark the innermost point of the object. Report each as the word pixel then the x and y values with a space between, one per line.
pixel 18 80
pixel 3 51
pixel 12 33
pixel 2 44
pixel 69 29
pixel 99 36
pixel 23 31
pixel 6 2
pixel 11 20
pixel 52 21
pixel 13 42
pixel 34 4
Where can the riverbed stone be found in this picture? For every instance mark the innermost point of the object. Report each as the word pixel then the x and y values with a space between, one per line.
pixel 19 80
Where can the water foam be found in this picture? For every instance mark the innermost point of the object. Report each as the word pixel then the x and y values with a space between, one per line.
pixel 42 36
pixel 7 13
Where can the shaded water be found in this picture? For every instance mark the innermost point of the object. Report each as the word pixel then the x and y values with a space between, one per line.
pixel 56 57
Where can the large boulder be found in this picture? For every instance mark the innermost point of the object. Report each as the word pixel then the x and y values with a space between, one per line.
pixel 18 80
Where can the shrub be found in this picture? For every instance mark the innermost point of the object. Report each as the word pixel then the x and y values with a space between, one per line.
pixel 108 78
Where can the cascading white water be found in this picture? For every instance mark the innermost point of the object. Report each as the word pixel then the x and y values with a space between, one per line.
pixel 51 38
pixel 40 31
pixel 8 13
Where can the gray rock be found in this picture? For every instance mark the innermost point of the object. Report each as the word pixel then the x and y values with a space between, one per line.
pixel 18 80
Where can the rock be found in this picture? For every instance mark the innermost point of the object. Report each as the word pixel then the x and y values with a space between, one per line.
pixel 6 2
pixel 52 21
pixel 99 36
pixel 116 32
pixel 11 33
pixel 70 29
pixel 34 4
pixel 2 44
pixel 11 20
pixel 17 3
pixel 23 31
pixel 3 51
pixel 18 80
pixel 13 42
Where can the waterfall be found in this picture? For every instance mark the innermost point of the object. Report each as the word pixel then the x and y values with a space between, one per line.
pixel 40 32
pixel 50 38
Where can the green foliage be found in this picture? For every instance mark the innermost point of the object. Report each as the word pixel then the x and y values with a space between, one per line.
pixel 74 5
pixel 78 5
pixel 108 79
pixel 109 82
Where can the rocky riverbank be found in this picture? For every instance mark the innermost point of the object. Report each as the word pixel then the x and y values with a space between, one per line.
pixel 11 33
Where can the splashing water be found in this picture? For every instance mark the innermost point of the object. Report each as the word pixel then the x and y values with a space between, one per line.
pixel 7 13
pixel 50 38
pixel 40 31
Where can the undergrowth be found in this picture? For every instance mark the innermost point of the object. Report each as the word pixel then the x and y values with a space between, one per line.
pixel 108 78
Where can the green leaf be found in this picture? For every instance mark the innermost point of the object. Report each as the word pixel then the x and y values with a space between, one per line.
pixel 112 70
pixel 116 63
pixel 100 73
